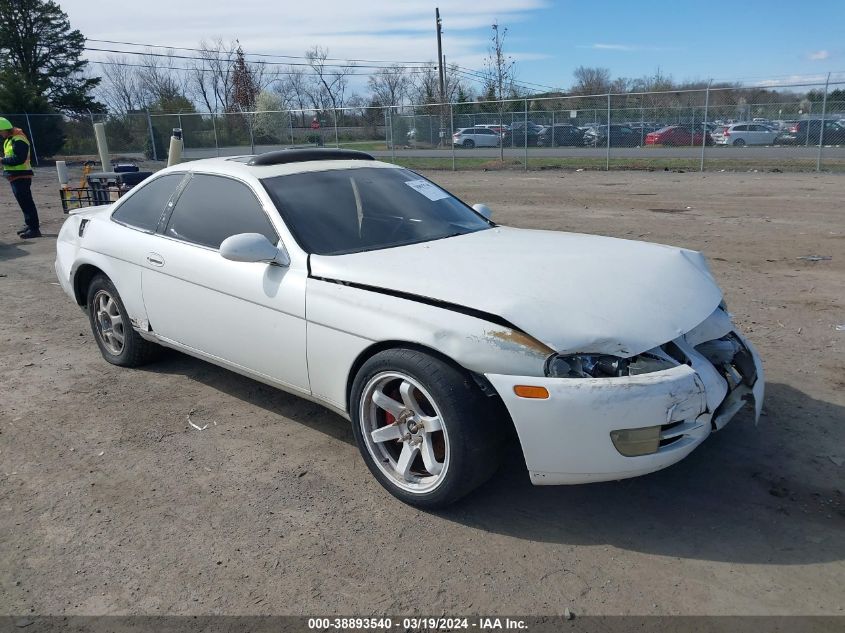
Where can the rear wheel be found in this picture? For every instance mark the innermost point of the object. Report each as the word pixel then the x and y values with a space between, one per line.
pixel 739 142
pixel 119 343
pixel 469 143
pixel 423 428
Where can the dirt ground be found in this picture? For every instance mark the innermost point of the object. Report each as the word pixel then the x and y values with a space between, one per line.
pixel 110 503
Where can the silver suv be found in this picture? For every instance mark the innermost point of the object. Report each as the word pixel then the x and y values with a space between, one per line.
pixel 476 136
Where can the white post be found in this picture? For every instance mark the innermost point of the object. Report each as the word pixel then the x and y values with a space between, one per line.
pixel 102 145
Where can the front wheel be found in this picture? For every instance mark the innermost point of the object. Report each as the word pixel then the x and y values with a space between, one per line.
pixel 119 343
pixel 423 427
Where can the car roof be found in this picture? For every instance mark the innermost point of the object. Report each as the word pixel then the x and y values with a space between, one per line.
pixel 239 166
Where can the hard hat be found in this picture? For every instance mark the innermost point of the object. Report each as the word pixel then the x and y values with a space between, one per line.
pixel 5 124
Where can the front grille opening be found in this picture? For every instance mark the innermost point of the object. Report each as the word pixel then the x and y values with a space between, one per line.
pixel 671 440
pixel 667 428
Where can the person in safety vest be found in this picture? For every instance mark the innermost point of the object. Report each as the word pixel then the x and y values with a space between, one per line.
pixel 18 171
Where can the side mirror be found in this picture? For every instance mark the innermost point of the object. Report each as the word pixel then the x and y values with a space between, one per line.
pixel 253 247
pixel 484 210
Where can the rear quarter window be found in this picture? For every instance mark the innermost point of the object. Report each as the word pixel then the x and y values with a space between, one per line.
pixel 145 207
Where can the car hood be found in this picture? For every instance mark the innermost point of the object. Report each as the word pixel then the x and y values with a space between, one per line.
pixel 572 292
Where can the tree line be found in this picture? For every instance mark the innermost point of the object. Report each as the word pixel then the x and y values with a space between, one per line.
pixel 43 71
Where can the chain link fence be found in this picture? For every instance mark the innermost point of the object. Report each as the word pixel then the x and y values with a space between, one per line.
pixel 795 127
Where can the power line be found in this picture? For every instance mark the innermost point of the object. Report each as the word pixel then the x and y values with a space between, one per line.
pixel 483 80
pixel 200 59
pixel 280 72
pixel 268 55
pixel 522 84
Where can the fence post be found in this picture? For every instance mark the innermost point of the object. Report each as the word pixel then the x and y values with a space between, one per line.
pixel 607 153
pixel 214 126
pixel 525 130
pixel 704 125
pixel 249 123
pixel 392 144
pixel 553 128
pixel 290 125
pixel 451 131
pixel 809 114
pixel 31 139
pixel 152 135
pixel 821 130
pixel 336 138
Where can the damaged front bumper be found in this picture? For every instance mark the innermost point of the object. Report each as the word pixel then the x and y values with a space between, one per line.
pixel 574 435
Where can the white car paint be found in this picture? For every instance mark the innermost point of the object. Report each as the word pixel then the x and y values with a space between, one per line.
pixel 564 289
pixel 745 134
pixel 478 136
pixel 498 302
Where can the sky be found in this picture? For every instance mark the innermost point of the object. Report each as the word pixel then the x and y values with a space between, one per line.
pixel 749 40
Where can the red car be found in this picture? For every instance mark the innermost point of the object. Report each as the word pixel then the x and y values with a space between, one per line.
pixel 675 135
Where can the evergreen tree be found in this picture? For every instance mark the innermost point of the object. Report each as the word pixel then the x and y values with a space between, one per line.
pixel 38 46
pixel 17 99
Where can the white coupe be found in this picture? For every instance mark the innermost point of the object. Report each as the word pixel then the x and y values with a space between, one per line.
pixel 369 289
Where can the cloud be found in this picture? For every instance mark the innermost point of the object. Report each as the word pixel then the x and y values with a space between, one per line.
pixel 625 47
pixel 385 29
pixel 818 55
pixel 613 47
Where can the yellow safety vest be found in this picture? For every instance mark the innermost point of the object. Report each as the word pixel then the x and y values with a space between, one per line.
pixel 9 150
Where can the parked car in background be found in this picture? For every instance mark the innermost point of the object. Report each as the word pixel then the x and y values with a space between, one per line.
pixel 808 132
pixel 441 336
pixel 470 137
pixel 678 136
pixel 496 127
pixel 620 136
pixel 515 136
pixel 643 129
pixel 742 134
pixel 561 134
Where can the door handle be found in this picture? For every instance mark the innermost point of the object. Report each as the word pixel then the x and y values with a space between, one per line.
pixel 155 259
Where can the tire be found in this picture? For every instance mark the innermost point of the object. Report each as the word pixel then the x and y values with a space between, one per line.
pixel 739 143
pixel 119 343
pixel 469 144
pixel 405 390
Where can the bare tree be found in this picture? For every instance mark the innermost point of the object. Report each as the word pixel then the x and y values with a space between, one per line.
pixel 211 76
pixel 425 88
pixel 329 87
pixel 160 80
pixel 591 81
pixel 292 87
pixel 389 86
pixel 120 89
pixel 500 74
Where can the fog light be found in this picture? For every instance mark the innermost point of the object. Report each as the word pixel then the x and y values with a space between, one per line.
pixel 633 442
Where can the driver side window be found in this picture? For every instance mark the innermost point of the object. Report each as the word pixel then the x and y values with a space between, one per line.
pixel 213 208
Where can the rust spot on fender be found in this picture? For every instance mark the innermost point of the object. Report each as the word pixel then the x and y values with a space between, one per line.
pixel 521 339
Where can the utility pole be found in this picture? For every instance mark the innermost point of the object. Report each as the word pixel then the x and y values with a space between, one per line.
pixel 441 73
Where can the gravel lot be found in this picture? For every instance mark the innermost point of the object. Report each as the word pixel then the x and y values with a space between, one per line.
pixel 110 503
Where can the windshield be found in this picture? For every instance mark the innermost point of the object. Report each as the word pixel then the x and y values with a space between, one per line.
pixel 352 210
